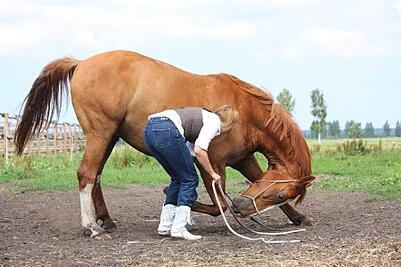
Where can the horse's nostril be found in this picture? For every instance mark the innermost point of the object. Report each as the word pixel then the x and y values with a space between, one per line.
pixel 240 204
pixel 235 209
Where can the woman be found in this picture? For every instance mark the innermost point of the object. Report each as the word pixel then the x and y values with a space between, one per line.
pixel 174 137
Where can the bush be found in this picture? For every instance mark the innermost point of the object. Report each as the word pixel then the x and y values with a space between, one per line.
pixel 360 147
pixel 125 156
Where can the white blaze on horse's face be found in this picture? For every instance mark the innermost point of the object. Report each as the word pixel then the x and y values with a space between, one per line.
pixel 88 210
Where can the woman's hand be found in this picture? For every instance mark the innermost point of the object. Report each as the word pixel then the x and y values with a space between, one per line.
pixel 216 177
pixel 203 158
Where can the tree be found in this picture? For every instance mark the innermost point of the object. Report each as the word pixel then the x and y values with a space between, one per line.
pixel 319 111
pixel 386 129
pixel 333 129
pixel 353 129
pixel 398 129
pixel 285 99
pixel 329 129
pixel 336 129
pixel 369 130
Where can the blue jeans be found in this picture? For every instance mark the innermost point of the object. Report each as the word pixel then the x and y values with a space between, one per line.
pixel 168 146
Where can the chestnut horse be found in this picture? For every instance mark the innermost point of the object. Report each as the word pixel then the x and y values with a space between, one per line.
pixel 113 94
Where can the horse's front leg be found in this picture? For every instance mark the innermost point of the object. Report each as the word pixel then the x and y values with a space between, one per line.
pixel 249 167
pixel 296 217
pixel 207 180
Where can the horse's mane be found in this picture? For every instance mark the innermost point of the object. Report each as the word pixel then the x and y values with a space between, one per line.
pixel 281 125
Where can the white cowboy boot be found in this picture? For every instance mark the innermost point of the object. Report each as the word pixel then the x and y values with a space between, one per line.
pixel 182 218
pixel 166 219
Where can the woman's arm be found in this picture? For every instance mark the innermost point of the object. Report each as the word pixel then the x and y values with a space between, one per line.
pixel 203 158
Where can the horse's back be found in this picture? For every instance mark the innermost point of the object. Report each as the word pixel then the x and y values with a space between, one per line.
pixel 122 73
pixel 126 86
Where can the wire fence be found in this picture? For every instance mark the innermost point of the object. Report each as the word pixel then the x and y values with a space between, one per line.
pixel 57 138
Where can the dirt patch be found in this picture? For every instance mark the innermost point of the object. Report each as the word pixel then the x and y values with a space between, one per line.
pixel 42 228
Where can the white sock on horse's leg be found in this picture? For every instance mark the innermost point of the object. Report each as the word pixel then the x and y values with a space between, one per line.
pixel 88 211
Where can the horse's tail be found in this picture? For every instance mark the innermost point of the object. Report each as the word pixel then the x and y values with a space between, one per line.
pixel 44 100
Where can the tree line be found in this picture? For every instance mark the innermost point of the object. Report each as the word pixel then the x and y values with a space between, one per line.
pixel 321 128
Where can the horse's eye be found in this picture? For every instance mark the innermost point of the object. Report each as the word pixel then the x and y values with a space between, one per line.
pixel 280 197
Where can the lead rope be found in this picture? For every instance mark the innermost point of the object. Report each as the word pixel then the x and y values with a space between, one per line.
pixel 253 219
pixel 246 237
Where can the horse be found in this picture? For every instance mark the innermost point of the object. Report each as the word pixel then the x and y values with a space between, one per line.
pixel 113 94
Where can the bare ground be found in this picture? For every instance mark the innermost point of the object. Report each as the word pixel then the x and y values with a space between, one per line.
pixel 43 229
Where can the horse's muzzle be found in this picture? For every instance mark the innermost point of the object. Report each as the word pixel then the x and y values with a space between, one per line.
pixel 242 206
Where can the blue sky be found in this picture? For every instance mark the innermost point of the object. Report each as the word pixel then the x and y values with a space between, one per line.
pixel 350 50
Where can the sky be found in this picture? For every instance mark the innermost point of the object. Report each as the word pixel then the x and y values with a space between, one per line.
pixel 349 49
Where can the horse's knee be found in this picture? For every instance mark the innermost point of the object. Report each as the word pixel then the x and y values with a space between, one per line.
pixel 216 211
pixel 85 176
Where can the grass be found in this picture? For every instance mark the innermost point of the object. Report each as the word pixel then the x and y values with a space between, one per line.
pixel 328 146
pixel 376 172
pixel 377 175
pixel 58 172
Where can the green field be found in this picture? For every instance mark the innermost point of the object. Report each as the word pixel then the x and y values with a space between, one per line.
pixel 372 166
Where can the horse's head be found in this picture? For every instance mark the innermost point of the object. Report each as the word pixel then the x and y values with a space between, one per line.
pixel 273 188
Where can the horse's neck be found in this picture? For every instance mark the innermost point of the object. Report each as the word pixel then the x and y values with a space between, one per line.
pixel 279 160
pixel 271 130
pixel 282 154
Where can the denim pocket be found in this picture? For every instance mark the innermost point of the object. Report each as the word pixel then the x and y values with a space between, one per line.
pixel 161 137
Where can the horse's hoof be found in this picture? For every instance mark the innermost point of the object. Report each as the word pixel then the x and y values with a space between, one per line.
pixel 86 232
pixel 303 221
pixel 93 230
pixel 109 225
pixel 307 221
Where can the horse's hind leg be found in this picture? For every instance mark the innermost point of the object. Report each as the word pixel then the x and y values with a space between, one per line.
pixel 95 151
pixel 101 211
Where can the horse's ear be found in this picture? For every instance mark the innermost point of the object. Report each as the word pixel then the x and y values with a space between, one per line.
pixel 306 181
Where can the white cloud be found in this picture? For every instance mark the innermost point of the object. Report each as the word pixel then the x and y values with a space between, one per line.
pixel 134 24
pixel 369 9
pixel 398 6
pixel 206 29
pixel 17 37
pixel 284 3
pixel 331 42
pixel 183 4
pixel 291 53
pixel 108 26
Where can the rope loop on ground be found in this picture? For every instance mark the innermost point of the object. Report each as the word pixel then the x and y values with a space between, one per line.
pixel 256 232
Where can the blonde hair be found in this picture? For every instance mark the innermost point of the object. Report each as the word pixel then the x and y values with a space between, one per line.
pixel 228 117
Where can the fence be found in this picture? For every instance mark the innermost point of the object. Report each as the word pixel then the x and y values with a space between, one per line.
pixel 57 138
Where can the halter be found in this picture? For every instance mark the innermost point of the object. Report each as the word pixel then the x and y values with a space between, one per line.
pixel 273 182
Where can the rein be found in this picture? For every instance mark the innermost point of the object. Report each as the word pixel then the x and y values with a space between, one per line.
pixel 253 231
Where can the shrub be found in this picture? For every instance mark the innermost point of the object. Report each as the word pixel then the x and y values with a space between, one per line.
pixel 125 156
pixel 360 147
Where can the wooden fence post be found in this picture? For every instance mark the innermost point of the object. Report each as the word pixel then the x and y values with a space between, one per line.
pixel 47 140
pixel 55 135
pixel 71 140
pixel 5 129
